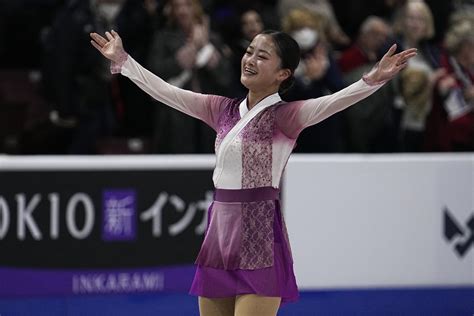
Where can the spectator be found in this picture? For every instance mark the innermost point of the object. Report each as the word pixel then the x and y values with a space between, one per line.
pixel 316 75
pixel 370 124
pixel 322 8
pixel 351 14
pixel 450 124
pixel 187 54
pixel 373 34
pixel 84 96
pixel 414 27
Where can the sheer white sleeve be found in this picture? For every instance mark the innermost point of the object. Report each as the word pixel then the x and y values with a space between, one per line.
pixel 201 106
pixel 315 110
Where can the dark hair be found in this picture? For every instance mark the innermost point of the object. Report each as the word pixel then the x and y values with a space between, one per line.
pixel 289 53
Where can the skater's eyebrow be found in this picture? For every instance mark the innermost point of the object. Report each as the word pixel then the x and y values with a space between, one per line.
pixel 260 50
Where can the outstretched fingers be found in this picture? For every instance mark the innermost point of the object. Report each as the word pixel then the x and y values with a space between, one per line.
pixel 404 56
pixel 98 39
pixel 99 48
pixel 408 53
pixel 109 36
pixel 391 51
pixel 115 34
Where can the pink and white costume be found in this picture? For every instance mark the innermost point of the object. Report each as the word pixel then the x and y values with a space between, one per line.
pixel 246 248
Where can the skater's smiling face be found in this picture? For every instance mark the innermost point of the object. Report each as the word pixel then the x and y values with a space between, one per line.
pixel 261 65
pixel 269 61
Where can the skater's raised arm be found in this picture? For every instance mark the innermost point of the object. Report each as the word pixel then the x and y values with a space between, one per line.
pixel 312 111
pixel 315 110
pixel 201 106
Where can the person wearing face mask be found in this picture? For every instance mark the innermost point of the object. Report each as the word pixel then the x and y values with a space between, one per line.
pixel 245 266
pixel 317 75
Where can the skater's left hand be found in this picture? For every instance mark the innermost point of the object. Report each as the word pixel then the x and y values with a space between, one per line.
pixel 111 48
pixel 391 64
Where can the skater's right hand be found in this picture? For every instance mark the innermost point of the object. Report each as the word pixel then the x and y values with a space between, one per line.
pixel 111 48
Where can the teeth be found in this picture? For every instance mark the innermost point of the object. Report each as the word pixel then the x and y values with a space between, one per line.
pixel 253 72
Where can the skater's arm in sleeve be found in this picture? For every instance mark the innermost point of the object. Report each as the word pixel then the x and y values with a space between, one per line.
pixel 201 106
pixel 302 114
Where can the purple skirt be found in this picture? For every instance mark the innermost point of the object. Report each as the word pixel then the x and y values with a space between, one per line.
pixel 246 248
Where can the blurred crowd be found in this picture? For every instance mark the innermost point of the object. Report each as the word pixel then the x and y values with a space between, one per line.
pixel 57 95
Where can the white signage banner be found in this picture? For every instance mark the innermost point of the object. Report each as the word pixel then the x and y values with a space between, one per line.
pixel 381 221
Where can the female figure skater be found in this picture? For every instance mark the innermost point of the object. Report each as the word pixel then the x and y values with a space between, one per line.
pixel 245 265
